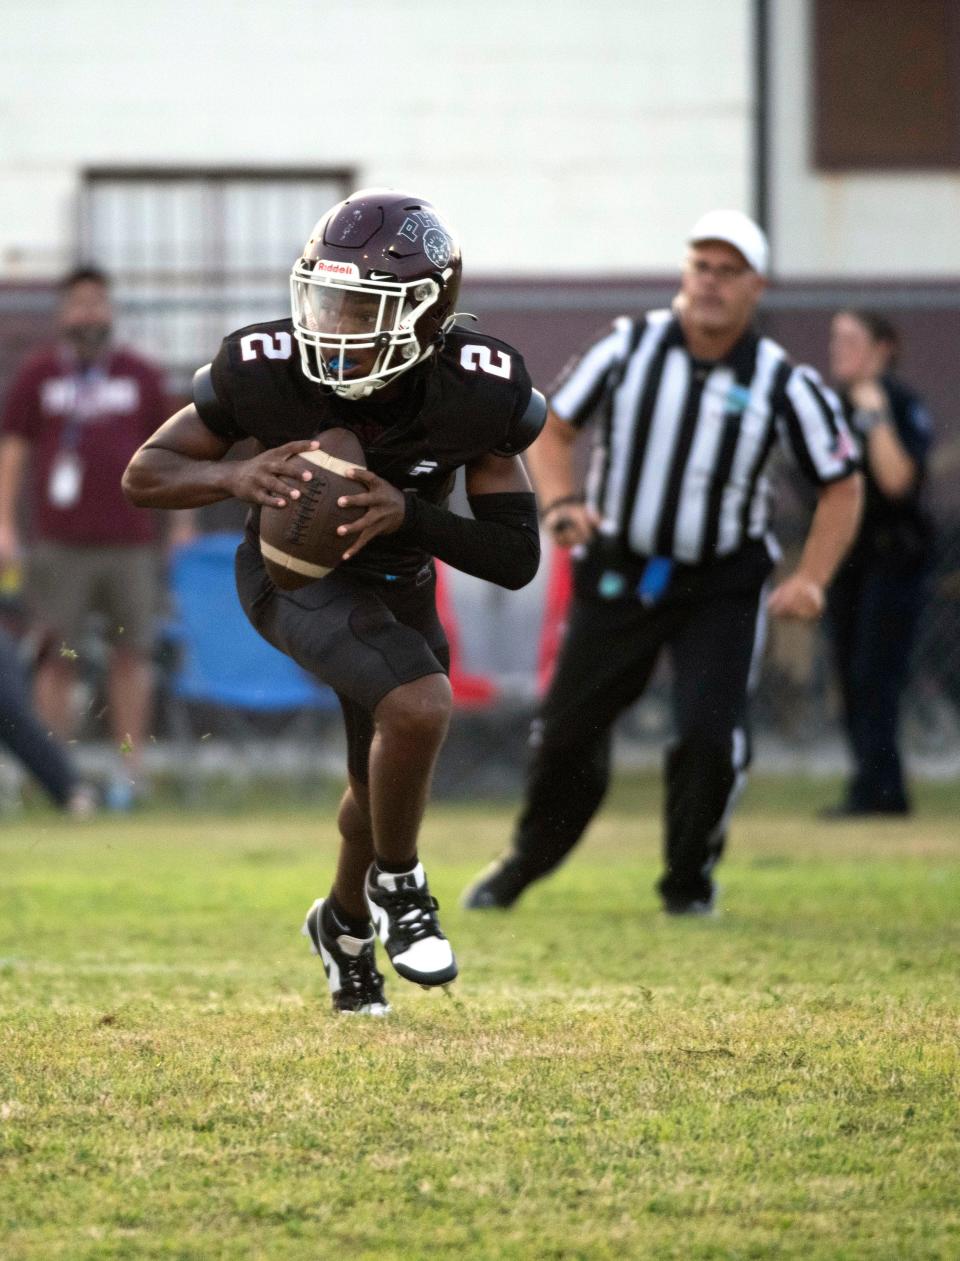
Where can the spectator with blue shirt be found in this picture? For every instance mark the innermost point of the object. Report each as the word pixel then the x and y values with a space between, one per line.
pixel 876 599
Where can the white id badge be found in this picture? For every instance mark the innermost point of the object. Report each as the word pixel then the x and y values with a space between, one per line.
pixel 66 479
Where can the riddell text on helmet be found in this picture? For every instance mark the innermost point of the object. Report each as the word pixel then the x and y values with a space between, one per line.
pixel 331 268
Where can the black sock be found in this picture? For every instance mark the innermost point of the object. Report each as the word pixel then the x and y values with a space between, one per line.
pixel 397 869
pixel 336 921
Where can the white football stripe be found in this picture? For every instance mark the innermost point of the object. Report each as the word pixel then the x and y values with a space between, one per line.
pixel 286 561
pixel 330 462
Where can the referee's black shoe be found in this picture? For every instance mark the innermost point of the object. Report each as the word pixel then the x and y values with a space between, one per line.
pixel 702 906
pixel 499 886
pixel 846 810
pixel 695 908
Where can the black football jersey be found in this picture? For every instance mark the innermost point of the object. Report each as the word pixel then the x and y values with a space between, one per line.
pixel 466 401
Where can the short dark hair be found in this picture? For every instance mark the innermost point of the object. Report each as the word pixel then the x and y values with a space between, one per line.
pixel 880 328
pixel 82 274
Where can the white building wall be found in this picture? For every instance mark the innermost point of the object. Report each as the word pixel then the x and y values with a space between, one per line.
pixel 858 224
pixel 558 137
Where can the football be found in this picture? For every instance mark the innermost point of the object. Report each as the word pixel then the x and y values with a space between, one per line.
pixel 300 543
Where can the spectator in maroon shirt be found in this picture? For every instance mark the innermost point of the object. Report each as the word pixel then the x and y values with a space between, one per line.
pixel 75 414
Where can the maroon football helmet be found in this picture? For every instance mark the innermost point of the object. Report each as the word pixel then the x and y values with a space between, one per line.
pixel 374 290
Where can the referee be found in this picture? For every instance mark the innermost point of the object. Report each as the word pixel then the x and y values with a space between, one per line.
pixel 674 552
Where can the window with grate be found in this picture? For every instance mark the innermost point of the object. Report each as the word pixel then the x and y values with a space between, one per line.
pixel 196 253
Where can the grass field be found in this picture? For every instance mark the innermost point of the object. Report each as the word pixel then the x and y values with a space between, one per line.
pixel 607 1083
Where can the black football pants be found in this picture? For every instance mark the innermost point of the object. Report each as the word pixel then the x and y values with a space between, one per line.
pixel 360 639
pixel 607 658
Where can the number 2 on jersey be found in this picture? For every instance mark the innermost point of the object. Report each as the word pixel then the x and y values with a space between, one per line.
pixel 277 346
pixel 474 357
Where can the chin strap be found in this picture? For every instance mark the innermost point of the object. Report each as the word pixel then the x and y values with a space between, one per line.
pixel 449 322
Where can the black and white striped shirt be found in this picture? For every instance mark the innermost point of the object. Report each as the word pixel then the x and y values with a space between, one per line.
pixel 678 465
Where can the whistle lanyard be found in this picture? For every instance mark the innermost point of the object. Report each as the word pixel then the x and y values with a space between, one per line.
pixel 85 405
pixel 65 482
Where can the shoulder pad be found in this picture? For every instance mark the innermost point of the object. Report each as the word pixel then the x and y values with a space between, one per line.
pixel 209 408
pixel 213 399
pixel 526 427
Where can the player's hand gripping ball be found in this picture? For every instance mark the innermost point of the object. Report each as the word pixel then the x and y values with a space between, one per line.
pixel 300 542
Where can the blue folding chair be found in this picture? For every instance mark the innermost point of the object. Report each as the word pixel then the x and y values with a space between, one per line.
pixel 219 659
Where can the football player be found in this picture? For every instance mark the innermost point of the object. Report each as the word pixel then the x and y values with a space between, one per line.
pixel 374 346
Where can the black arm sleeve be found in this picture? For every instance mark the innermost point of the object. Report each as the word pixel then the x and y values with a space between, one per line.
pixel 501 544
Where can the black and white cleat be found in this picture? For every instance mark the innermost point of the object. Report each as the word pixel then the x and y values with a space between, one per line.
pixel 404 914
pixel 356 987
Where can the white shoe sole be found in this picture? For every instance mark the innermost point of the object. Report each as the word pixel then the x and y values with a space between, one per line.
pixel 443 976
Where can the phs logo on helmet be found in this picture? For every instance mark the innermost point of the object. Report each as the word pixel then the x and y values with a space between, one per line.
pixel 435 244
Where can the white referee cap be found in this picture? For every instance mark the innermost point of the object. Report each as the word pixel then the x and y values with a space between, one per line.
pixel 738 230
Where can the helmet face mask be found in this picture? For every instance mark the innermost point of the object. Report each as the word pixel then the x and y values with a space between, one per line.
pixel 373 292
pixel 356 335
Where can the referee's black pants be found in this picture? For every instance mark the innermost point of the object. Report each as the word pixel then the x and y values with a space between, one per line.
pixel 608 655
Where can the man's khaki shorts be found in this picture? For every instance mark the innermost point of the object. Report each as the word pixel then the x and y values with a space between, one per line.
pixel 65 584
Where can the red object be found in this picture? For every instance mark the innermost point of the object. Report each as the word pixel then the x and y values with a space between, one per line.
pixel 470 691
pixel 559 591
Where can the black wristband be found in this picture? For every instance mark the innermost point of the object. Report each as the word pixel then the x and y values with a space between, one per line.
pixel 411 500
